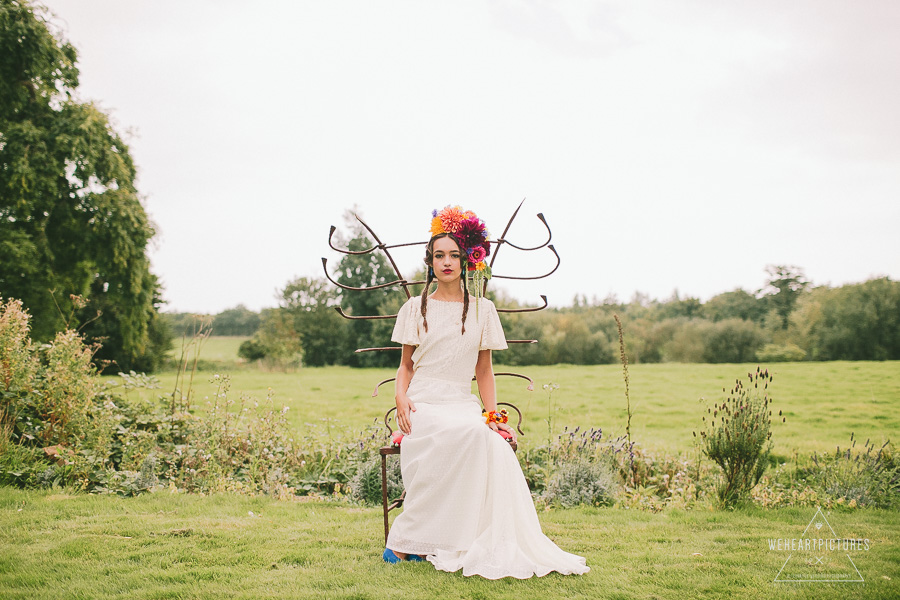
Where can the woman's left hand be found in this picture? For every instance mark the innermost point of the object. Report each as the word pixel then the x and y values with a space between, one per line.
pixel 504 427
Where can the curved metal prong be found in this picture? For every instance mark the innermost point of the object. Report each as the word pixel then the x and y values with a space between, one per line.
pixel 359 289
pixel 375 393
pixel 361 350
pixel 549 237
pixel 386 252
pixel 530 386
pixel 552 249
pixel 530 381
pixel 521 310
pixel 519 412
pixel 341 312
pixel 342 251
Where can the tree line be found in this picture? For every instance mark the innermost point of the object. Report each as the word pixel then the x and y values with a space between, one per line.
pixel 788 319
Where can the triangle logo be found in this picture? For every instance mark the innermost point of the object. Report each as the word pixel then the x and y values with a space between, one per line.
pixel 819 555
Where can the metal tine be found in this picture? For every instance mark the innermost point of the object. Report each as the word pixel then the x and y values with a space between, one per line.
pixel 386 253
pixel 361 350
pixel 341 312
pixel 552 249
pixel 530 381
pixel 372 249
pixel 549 237
pixel 401 281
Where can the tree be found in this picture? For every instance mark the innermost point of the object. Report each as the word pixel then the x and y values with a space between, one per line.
pixel 784 287
pixel 73 226
pixel 736 304
pixel 365 270
pixel 239 320
pixel 853 322
pixel 309 303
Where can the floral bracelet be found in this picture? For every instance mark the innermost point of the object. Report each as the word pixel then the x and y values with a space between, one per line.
pixel 495 417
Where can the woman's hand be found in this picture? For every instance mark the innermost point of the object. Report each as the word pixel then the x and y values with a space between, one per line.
pixel 404 407
pixel 504 427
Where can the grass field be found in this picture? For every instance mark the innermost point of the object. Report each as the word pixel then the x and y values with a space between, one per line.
pixel 55 544
pixel 823 402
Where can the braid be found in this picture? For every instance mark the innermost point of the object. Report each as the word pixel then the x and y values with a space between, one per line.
pixel 463 263
pixel 429 278
pixel 465 306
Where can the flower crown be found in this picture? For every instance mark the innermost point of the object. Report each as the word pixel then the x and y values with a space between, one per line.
pixel 468 230
pixel 471 233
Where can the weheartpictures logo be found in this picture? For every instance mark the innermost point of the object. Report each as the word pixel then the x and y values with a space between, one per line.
pixel 819 554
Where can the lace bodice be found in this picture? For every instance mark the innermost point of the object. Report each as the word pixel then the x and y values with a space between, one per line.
pixel 442 352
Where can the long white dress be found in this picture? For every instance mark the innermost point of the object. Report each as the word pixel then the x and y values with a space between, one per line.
pixel 467 504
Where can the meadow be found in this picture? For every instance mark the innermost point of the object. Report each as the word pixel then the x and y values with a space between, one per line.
pixel 56 543
pixel 823 403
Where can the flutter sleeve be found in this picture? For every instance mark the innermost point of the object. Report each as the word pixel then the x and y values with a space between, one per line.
pixel 406 328
pixel 492 337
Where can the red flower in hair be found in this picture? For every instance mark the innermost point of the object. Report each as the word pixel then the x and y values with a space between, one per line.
pixel 471 232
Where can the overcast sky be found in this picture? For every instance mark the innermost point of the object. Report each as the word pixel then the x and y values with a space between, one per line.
pixel 670 145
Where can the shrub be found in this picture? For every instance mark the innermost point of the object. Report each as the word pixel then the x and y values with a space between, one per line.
pixel 738 438
pixel 365 486
pixel 869 478
pixel 577 482
pixel 780 353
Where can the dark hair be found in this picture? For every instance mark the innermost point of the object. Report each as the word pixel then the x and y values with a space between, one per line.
pixel 429 260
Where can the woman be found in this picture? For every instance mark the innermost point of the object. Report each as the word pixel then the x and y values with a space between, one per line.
pixel 467 503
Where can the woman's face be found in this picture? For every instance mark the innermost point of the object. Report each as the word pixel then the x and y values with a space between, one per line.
pixel 446 260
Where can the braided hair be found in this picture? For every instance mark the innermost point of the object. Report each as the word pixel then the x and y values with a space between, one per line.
pixel 429 262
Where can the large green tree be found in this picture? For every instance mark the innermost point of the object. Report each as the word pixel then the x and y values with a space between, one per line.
pixel 72 226
pixel 365 271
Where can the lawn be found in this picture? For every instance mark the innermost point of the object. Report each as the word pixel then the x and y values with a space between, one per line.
pixel 55 545
pixel 823 402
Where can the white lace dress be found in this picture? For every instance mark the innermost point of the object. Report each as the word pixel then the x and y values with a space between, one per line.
pixel 467 504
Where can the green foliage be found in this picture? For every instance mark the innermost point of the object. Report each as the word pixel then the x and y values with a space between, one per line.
pixel 73 223
pixel 365 486
pixel 785 285
pixel 732 341
pixel 582 482
pixel 780 353
pixel 365 271
pixel 307 305
pixel 737 304
pixel 737 436
pixel 852 322
pixel 239 320
pixel 866 477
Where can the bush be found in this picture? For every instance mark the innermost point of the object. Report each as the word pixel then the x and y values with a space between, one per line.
pixel 365 486
pixel 780 353
pixel 737 437
pixel 593 483
pixel 869 478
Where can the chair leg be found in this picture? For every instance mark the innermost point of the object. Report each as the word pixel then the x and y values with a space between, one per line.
pixel 384 498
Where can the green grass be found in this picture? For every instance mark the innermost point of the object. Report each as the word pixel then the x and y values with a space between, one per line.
pixel 823 402
pixel 217 348
pixel 54 545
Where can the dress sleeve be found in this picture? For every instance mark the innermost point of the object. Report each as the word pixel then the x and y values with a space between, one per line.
pixel 492 337
pixel 406 328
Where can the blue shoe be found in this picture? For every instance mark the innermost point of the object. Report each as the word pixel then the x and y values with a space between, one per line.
pixel 414 558
pixel 390 557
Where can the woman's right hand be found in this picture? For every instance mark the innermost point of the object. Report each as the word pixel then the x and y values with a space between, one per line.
pixel 404 407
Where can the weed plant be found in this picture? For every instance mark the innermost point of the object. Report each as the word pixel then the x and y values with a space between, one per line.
pixel 738 436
